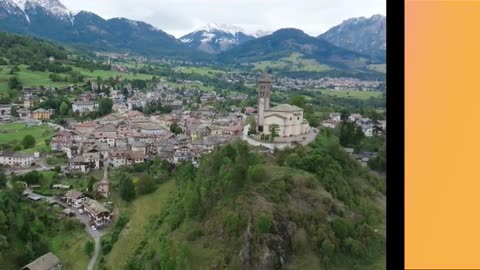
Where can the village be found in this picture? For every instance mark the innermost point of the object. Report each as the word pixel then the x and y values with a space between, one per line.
pixel 181 125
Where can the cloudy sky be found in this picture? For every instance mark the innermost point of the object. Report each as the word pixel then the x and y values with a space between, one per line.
pixel 179 17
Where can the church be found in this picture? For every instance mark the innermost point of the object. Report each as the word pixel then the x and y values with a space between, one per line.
pixel 289 118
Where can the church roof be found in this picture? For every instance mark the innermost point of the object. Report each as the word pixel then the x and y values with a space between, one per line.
pixel 285 108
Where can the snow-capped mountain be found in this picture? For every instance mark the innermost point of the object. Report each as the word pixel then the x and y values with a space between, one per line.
pixel 51 19
pixel 216 38
pixel 52 8
pixel 260 33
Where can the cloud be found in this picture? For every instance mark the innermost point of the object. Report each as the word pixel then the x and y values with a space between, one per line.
pixel 180 17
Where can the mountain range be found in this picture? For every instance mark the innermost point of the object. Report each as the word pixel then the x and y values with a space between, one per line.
pixel 363 35
pixel 353 39
pixel 216 38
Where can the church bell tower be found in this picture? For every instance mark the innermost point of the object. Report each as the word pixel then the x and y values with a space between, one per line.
pixel 264 93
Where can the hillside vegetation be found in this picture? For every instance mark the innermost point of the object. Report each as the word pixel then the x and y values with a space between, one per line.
pixel 28 231
pixel 307 208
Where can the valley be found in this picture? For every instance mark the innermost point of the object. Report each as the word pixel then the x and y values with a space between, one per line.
pixel 219 149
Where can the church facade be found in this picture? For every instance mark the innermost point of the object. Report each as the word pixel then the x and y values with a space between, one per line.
pixel 288 118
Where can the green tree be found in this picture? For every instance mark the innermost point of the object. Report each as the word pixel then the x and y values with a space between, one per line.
pixel 14 83
pixel 349 134
pixel 175 128
pixel 127 189
pixel 14 69
pixel 253 126
pixel 145 185
pixel 328 249
pixel 105 106
pixel 264 224
pixel 273 131
pixel 3 178
pixel 64 108
pixel 342 228
pixel 28 141
pixel 89 248
pixel 91 183
pixel 298 101
pixel 14 112
pixel 3 223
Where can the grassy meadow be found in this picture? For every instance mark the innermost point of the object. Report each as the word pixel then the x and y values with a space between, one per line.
pixel 295 62
pixel 30 78
pixel 352 94
pixel 69 249
pixel 13 133
pixel 140 211
pixel 204 71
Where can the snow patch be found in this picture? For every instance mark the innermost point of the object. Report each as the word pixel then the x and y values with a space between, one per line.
pixel 212 27
pixel 207 37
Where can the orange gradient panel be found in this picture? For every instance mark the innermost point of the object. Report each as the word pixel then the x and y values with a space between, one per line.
pixel 442 134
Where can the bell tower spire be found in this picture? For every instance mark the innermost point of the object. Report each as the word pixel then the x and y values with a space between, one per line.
pixel 264 93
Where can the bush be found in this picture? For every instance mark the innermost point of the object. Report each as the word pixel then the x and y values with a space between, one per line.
pixel 110 239
pixel 145 185
pixel 232 224
pixel 28 142
pixel 258 173
pixel 89 248
pixel 264 224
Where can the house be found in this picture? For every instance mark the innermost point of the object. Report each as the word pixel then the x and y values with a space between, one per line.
pixel 75 198
pixel 46 262
pixel 79 164
pixel 368 130
pixel 199 132
pixel 84 106
pixel 111 119
pixel 86 127
pixel 60 186
pixel 250 110
pixel 139 147
pixel 329 124
pixel 103 187
pixel 98 214
pixel 107 130
pixel 183 154
pixel 349 150
pixel 126 158
pixel 5 109
pixel 42 114
pixel 16 159
pixel 336 117
pixel 354 117
pixel 233 131
pixel 364 157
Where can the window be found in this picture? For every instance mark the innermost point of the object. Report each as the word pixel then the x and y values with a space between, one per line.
pixel 298 118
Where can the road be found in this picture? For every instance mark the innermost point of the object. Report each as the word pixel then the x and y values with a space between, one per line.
pixel 42 168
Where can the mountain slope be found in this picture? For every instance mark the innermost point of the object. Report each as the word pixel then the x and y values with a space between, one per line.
pixel 50 19
pixel 308 208
pixel 286 42
pixel 216 38
pixel 363 35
